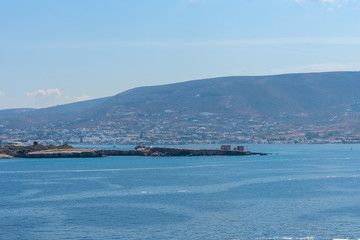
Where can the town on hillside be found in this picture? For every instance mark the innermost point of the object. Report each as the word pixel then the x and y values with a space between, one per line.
pixel 207 128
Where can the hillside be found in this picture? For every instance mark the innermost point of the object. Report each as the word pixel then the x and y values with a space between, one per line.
pixel 323 99
pixel 57 116
pixel 314 94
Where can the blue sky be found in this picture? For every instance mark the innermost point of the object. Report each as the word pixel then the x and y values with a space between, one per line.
pixel 60 51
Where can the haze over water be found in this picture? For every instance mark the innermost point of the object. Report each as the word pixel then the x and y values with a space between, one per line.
pixel 299 192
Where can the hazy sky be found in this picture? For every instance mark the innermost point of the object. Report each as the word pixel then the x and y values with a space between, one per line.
pixel 59 51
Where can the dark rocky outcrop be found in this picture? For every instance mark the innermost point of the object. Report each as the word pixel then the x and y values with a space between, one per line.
pixel 149 151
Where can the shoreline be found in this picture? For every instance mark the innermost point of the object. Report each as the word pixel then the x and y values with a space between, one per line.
pixel 5 156
pixel 147 151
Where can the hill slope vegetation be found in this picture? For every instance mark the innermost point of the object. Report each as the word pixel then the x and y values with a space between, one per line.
pixel 306 98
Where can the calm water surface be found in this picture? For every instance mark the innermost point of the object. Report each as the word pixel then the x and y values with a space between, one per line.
pixel 300 192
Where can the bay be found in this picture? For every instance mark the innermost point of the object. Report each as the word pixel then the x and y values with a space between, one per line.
pixel 298 192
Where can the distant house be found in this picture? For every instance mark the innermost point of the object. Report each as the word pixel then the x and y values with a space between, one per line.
pixel 226 147
pixel 239 148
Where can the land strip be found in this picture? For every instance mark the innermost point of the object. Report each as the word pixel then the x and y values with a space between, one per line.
pixel 147 151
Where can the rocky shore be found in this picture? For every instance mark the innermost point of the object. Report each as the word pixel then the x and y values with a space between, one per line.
pixel 147 151
pixel 5 156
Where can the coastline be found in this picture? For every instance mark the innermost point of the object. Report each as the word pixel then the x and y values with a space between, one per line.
pixel 5 156
pixel 147 151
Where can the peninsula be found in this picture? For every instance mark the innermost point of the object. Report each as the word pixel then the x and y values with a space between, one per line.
pixel 67 151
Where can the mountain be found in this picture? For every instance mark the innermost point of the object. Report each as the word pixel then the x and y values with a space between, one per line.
pixel 55 116
pixel 13 112
pixel 308 98
pixel 264 96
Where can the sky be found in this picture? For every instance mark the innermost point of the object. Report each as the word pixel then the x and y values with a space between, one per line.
pixel 61 51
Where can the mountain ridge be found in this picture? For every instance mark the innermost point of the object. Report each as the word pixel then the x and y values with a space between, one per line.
pixel 309 97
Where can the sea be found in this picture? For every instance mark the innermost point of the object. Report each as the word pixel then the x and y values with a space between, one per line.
pixel 298 192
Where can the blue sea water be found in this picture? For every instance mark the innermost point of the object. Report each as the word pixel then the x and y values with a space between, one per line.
pixel 299 192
